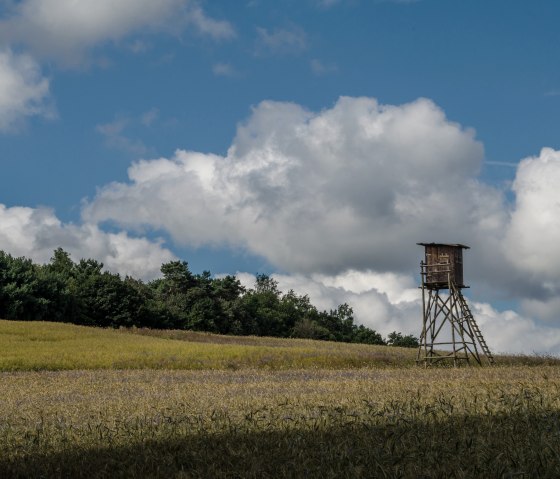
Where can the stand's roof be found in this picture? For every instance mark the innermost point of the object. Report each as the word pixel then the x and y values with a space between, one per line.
pixel 456 245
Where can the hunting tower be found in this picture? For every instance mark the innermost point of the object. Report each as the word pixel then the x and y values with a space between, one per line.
pixel 447 320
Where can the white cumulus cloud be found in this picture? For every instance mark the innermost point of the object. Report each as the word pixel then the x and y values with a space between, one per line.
pixel 533 238
pixel 509 331
pixel 67 29
pixel 24 91
pixel 36 232
pixel 351 187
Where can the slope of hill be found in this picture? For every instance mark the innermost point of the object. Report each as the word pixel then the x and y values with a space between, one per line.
pixel 34 345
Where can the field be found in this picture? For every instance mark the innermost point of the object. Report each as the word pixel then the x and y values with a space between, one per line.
pixel 254 407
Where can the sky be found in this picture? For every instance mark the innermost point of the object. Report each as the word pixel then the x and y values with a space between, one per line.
pixel 314 140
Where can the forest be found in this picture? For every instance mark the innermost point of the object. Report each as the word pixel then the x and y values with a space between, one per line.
pixel 84 293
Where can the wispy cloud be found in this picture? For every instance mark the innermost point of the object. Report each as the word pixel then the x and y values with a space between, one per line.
pixel 320 68
pixel 217 29
pixel 139 46
pixel 114 132
pixel 165 59
pixel 502 163
pixel 149 117
pixel 224 70
pixel 399 1
pixel 292 39
pixel 327 3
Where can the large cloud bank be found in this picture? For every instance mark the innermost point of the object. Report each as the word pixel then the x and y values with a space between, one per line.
pixel 350 187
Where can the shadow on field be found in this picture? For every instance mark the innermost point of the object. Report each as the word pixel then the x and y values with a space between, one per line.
pixel 524 446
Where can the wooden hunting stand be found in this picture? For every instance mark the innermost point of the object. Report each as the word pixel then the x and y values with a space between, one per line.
pixel 448 313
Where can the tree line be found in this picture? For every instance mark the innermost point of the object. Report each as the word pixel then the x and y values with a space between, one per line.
pixel 84 293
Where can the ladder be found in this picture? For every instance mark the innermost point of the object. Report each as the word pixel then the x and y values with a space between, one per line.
pixel 476 330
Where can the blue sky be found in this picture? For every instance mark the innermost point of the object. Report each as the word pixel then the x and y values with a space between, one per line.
pixel 315 139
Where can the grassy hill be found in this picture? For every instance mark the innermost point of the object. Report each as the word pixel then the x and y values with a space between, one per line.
pixel 36 346
pixel 44 346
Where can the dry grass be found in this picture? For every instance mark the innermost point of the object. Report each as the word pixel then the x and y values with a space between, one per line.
pixel 346 423
pixel 200 405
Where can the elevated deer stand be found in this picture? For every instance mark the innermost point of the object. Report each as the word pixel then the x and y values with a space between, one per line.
pixel 449 331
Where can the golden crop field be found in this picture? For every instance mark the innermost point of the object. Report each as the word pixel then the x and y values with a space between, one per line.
pixel 257 420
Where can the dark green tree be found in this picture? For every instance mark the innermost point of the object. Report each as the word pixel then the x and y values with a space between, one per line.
pixel 310 329
pixel 104 299
pixel 59 276
pixel 262 315
pixel 22 290
pixel 397 339
pixel 366 335
pixel 172 291
pixel 340 322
